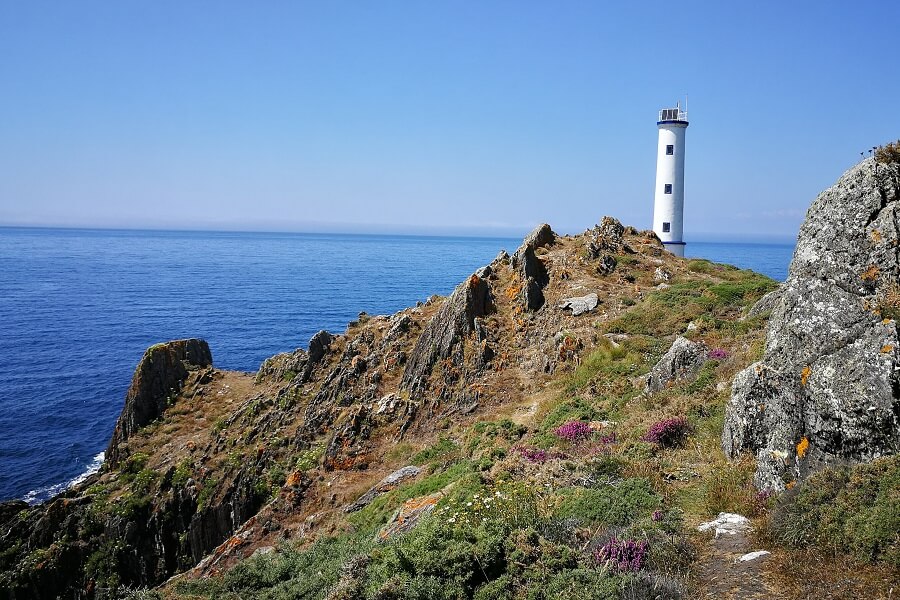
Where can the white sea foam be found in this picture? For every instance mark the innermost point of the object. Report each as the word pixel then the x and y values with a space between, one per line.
pixel 41 494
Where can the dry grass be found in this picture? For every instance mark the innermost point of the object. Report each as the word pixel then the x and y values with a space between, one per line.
pixel 807 574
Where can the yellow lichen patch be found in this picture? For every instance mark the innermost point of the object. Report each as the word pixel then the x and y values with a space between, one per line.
pixel 513 291
pixel 802 447
pixel 876 235
pixel 870 274
pixel 886 321
pixel 887 348
pixel 790 484
pixel 804 375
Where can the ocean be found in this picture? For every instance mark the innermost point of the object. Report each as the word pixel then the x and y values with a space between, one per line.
pixel 79 307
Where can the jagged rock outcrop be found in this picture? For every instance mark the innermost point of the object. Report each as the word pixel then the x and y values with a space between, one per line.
pixel 297 365
pixel 827 388
pixel 385 485
pixel 442 337
pixel 158 378
pixel 682 361
pixel 532 270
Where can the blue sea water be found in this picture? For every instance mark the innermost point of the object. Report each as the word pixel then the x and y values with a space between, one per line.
pixel 79 307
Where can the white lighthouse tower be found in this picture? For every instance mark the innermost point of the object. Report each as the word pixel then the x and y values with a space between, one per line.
pixel 668 200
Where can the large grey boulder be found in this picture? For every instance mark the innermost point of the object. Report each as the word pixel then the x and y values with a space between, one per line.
pixel 827 388
pixel 682 362
pixel 580 304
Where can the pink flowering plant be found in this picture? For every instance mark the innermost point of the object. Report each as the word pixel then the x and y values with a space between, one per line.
pixel 574 431
pixel 718 354
pixel 668 432
pixel 623 556
pixel 537 455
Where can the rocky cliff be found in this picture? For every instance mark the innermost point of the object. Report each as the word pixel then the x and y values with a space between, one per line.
pixel 156 383
pixel 828 386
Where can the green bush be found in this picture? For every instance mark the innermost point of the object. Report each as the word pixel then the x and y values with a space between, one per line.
pixel 447 562
pixel 287 573
pixel 845 510
pixel 621 503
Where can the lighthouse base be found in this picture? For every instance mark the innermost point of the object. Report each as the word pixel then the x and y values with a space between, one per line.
pixel 676 248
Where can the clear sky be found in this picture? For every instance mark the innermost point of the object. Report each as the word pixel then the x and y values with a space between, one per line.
pixel 433 117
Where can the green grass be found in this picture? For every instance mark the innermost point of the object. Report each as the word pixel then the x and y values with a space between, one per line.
pixel 443 448
pixel 376 514
pixel 664 312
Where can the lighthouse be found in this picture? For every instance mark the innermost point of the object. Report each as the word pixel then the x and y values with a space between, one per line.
pixel 668 199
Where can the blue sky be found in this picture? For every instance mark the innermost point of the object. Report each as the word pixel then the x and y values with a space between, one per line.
pixel 433 117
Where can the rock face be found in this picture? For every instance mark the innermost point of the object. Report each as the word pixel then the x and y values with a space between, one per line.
pixel 297 365
pixel 532 270
pixel 158 377
pixel 443 336
pixel 385 485
pixel 827 388
pixel 682 361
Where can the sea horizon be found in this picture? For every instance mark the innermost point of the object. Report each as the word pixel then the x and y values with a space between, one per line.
pixel 501 234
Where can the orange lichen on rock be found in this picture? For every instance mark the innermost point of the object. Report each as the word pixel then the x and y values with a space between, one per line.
pixel 802 447
pixel 876 235
pixel 887 348
pixel 804 375
pixel 294 479
pixel 870 274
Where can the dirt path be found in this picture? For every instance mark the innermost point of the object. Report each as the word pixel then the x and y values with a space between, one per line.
pixel 722 574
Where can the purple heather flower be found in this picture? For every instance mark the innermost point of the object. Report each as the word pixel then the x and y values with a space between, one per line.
pixel 623 555
pixel 657 515
pixel 668 432
pixel 718 354
pixel 534 455
pixel 574 431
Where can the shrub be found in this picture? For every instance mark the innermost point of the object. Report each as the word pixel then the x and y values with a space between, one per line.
pixel 668 433
pixel 537 455
pixel 718 354
pixel 623 556
pixel 621 503
pixel 889 153
pixel 845 510
pixel 574 431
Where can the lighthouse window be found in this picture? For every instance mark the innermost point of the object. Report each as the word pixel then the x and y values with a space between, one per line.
pixel 667 227
pixel 670 149
pixel 668 188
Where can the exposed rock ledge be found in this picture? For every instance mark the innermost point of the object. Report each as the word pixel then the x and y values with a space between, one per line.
pixel 159 376
pixel 827 388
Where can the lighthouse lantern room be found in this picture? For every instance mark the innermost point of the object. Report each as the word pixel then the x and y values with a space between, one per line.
pixel 668 203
